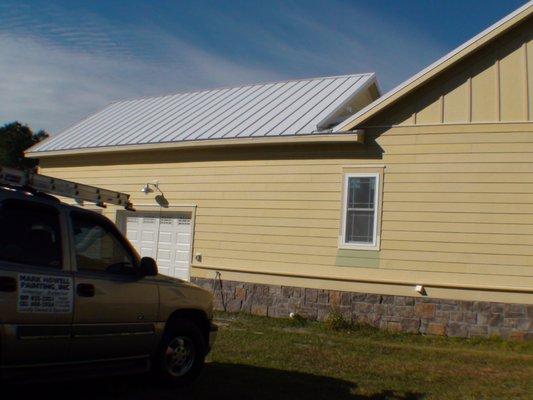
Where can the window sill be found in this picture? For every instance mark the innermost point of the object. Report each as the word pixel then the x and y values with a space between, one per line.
pixel 353 246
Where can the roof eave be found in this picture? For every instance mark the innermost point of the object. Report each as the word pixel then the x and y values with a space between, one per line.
pixel 437 67
pixel 337 137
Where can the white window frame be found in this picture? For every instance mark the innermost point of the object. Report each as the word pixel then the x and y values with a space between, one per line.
pixel 343 244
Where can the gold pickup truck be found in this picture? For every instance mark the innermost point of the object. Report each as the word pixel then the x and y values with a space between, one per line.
pixel 77 299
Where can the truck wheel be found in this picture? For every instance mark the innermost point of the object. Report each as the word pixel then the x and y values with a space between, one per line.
pixel 182 353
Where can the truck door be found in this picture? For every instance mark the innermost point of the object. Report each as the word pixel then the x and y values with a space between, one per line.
pixel 115 309
pixel 36 286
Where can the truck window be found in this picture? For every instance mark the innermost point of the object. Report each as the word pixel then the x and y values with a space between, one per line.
pixel 98 249
pixel 30 234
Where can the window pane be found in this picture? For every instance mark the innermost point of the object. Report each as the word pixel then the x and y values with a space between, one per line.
pixel 360 226
pixel 98 249
pixel 30 234
pixel 361 192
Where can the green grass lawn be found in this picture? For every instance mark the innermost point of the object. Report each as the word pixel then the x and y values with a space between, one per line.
pixel 276 359
pixel 264 358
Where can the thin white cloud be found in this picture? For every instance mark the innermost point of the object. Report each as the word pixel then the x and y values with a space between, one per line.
pixel 368 45
pixel 337 37
pixel 51 87
pixel 57 65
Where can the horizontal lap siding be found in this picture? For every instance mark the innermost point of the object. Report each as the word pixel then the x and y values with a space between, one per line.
pixel 459 198
pixel 457 206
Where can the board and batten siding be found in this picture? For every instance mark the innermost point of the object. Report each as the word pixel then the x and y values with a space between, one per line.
pixel 494 84
pixel 458 220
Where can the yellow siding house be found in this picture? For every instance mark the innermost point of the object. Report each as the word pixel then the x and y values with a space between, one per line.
pixel 409 211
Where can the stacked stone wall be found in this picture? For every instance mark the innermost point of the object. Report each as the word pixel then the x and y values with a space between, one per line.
pixel 395 313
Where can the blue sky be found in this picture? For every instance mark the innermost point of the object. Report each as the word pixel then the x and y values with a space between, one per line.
pixel 62 60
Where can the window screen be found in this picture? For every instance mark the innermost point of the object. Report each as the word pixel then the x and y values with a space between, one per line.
pixel 361 209
pixel 98 249
pixel 30 234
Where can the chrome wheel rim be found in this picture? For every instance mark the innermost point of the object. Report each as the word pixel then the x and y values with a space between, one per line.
pixel 179 356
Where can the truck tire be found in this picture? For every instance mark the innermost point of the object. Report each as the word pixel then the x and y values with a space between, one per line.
pixel 181 355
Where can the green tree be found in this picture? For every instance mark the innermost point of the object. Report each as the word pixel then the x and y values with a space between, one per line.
pixel 14 139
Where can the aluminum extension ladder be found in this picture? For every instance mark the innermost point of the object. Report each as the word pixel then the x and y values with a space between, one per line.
pixel 32 181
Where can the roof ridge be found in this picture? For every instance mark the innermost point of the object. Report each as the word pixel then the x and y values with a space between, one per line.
pixel 215 88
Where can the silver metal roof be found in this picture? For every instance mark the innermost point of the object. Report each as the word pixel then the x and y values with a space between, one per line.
pixel 294 107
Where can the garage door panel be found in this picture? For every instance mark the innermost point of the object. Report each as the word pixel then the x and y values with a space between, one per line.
pixel 147 236
pixel 183 268
pixel 133 235
pixel 166 239
pixel 183 228
pixel 164 271
pixel 182 256
pixel 133 220
pixel 182 247
pixel 164 255
pixel 146 251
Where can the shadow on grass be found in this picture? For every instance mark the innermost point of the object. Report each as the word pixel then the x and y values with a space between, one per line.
pixel 219 381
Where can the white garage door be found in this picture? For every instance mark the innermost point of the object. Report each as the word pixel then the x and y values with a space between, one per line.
pixel 166 239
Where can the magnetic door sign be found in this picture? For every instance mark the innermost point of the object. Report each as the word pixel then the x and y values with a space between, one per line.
pixel 44 294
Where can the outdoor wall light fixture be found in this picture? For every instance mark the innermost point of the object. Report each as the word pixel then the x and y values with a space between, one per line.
pixel 150 186
pixel 420 289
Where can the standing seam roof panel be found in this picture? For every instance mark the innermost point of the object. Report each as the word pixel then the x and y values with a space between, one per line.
pixel 280 108
pixel 353 89
pixel 215 127
pixel 105 132
pixel 200 114
pixel 219 132
pixel 148 122
pixel 136 120
pixel 236 103
pixel 167 114
pixel 333 103
pixel 275 113
pixel 91 120
pixel 270 104
pixel 204 98
pixel 105 128
pixel 76 132
pixel 309 103
pixel 121 130
pixel 296 103
pixel 194 113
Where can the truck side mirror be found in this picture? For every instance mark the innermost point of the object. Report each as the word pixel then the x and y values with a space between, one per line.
pixel 148 267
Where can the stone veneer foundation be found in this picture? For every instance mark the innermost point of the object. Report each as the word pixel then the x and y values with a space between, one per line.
pixel 396 313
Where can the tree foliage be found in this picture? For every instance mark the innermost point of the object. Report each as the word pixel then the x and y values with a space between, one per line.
pixel 15 138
